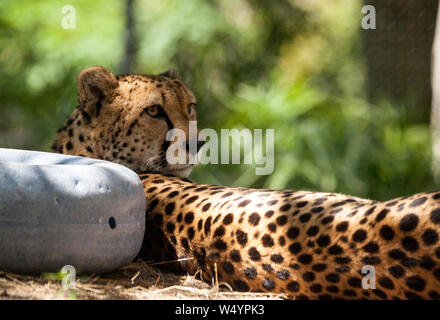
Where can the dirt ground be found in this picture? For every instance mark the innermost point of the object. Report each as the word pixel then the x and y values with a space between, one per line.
pixel 138 280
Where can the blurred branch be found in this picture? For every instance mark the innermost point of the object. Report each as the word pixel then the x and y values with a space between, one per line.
pixel 129 59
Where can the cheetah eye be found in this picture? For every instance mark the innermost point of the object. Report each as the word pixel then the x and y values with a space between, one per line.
pixel 153 111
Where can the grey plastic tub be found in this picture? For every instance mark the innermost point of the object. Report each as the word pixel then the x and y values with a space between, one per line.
pixel 58 210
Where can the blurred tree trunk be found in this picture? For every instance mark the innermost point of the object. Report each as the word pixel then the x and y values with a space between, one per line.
pixel 128 61
pixel 398 53
pixel 435 108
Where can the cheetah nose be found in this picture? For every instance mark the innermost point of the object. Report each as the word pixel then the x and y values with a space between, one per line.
pixel 199 145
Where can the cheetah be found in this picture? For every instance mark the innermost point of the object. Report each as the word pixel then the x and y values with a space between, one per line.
pixel 306 245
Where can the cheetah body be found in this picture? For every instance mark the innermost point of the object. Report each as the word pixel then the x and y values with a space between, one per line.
pixel 307 245
pixel 304 244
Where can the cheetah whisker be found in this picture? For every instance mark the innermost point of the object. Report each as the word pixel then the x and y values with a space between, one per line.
pixel 171 261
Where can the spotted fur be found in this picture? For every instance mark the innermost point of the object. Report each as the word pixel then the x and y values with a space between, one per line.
pixel 307 245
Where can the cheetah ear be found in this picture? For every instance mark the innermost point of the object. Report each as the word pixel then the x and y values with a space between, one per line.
pixel 94 85
pixel 170 73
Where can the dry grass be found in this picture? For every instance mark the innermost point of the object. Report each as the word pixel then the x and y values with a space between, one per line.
pixel 138 280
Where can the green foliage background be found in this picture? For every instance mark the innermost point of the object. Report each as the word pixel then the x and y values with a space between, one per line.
pixel 296 66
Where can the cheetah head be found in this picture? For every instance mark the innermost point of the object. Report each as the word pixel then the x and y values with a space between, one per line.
pixel 125 119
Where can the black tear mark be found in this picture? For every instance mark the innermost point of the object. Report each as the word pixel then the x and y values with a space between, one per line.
pixel 86 116
pixel 166 143
pixel 98 108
